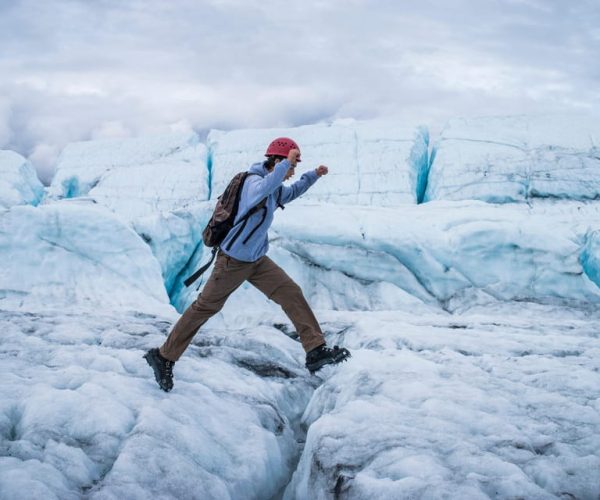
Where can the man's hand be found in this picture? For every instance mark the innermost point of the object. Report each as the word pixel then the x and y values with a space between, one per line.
pixel 293 156
pixel 322 170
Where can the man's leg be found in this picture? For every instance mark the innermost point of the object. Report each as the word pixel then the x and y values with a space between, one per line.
pixel 228 274
pixel 270 279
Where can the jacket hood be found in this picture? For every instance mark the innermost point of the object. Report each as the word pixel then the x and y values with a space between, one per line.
pixel 258 168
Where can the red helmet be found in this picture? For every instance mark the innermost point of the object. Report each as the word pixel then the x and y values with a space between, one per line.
pixel 281 147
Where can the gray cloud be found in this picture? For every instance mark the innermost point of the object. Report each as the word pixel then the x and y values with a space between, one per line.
pixel 76 69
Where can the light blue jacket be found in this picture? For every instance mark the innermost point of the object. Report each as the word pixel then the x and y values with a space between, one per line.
pixel 249 246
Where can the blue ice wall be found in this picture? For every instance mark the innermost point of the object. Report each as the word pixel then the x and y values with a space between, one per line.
pixel 422 163
pixel 590 257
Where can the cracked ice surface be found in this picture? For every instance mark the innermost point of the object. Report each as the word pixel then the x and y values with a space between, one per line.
pixel 80 415
pixel 371 163
pixel 19 184
pixel 508 159
pixel 498 403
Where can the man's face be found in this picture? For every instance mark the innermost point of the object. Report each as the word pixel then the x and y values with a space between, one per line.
pixel 290 173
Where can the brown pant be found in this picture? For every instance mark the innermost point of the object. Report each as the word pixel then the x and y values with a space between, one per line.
pixel 228 274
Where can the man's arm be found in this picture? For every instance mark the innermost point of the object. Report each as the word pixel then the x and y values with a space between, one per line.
pixel 262 188
pixel 298 188
pixel 289 193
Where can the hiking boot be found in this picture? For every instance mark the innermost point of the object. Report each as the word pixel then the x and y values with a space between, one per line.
pixel 163 369
pixel 323 355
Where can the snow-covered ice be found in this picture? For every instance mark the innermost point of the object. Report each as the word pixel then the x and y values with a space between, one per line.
pixel 517 159
pixel 504 404
pixel 19 184
pixel 81 418
pixel 473 325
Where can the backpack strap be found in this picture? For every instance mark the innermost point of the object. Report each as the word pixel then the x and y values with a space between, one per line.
pixel 251 212
pixel 245 218
pixel 279 204
pixel 257 226
pixel 201 271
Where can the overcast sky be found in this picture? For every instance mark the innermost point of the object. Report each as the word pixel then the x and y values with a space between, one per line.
pixel 79 69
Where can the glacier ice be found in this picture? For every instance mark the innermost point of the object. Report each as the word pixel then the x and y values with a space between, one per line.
pixel 440 250
pixel 496 405
pixel 19 184
pixel 134 177
pixel 174 237
pixel 590 256
pixel 473 325
pixel 74 253
pixel 154 183
pixel 449 255
pixel 370 163
pixel 516 159
pixel 79 416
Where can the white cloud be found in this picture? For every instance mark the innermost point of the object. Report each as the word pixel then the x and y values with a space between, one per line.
pixel 113 129
pixel 5 129
pixel 74 70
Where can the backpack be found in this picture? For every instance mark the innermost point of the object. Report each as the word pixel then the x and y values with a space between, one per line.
pixel 223 219
pixel 225 212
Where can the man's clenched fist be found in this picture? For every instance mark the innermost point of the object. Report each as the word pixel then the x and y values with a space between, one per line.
pixel 321 170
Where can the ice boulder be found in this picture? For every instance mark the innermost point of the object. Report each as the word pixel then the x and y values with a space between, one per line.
pixel 516 159
pixel 154 183
pixel 19 184
pixel 76 254
pixel 450 254
pixel 371 163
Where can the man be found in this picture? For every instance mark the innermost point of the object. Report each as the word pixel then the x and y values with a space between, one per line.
pixel 242 257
